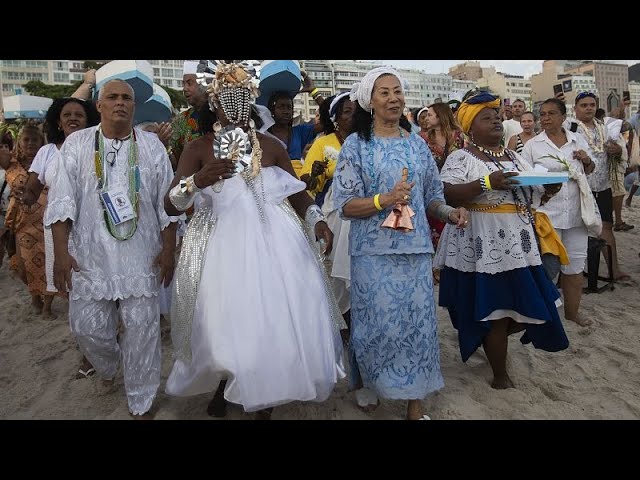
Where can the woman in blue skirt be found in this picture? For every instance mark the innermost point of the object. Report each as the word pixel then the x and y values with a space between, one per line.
pixel 492 279
pixel 394 341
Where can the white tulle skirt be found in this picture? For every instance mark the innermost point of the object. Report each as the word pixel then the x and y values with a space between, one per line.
pixel 261 319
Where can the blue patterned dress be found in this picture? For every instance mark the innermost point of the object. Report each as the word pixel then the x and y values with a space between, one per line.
pixel 394 337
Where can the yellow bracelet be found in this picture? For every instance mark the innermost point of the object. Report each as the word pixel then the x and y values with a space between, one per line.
pixel 488 182
pixel 314 92
pixel 376 202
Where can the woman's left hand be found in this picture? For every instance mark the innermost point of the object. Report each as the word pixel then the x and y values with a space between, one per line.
pixel 613 148
pixel 459 217
pixel 323 232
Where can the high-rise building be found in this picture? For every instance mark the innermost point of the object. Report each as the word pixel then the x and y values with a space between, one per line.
pixel 611 79
pixel 470 71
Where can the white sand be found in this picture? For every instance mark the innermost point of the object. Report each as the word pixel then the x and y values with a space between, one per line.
pixel 597 377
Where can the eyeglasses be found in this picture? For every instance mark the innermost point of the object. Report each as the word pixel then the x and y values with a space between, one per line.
pixel 111 157
pixel 582 95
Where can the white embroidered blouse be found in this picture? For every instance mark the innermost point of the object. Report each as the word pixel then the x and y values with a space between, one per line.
pixel 110 268
pixel 492 242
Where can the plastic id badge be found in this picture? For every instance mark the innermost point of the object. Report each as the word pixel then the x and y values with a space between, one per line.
pixel 118 206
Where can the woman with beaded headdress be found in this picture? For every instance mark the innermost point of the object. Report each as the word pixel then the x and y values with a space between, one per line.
pixel 241 312
pixel 492 279
pixel 383 168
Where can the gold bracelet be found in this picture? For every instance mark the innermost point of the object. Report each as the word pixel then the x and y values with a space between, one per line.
pixel 376 202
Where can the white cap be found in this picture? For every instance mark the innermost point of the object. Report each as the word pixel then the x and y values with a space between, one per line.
pixel 189 67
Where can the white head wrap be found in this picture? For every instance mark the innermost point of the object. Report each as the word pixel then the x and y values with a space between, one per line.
pixel 424 109
pixel 334 102
pixel 189 67
pixel 265 116
pixel 361 91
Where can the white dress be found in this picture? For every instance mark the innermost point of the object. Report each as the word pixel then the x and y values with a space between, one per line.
pixel 45 157
pixel 254 321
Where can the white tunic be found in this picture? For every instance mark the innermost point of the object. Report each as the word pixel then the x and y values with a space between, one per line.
pixel 110 268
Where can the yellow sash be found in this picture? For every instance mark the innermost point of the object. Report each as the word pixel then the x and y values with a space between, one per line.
pixel 547 236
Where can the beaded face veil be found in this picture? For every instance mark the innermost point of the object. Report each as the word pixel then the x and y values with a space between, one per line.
pixel 232 85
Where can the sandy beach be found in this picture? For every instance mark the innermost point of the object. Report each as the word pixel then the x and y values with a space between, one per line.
pixel 597 377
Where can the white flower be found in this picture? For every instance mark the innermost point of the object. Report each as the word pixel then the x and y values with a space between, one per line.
pixel 330 153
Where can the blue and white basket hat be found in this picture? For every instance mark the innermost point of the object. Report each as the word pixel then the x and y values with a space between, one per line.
pixel 277 76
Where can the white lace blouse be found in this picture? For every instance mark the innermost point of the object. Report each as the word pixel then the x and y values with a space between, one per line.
pixel 492 242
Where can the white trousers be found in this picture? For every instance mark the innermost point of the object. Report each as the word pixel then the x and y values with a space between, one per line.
pixel 95 325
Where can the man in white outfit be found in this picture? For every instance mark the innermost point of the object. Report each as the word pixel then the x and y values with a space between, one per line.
pixel 512 126
pixel 107 198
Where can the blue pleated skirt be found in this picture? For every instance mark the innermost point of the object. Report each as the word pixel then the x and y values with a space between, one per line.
pixel 472 296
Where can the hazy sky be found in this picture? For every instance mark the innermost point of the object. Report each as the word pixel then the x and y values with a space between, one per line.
pixel 515 67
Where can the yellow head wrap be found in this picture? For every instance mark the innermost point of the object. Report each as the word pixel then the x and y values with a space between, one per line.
pixel 468 111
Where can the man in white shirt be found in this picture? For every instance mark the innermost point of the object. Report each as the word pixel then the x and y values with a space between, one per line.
pixel 512 126
pixel 103 175
pixel 600 151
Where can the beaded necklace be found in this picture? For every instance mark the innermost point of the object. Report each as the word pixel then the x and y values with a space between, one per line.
pixel 523 207
pixel 595 140
pixel 499 153
pixel 372 168
pixel 134 182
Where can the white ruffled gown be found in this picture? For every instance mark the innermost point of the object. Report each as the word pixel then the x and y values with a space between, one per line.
pixel 261 318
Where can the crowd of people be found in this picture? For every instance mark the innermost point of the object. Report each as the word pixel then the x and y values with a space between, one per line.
pixel 303 254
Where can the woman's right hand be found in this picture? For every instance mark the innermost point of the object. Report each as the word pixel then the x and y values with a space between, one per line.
pixel 401 193
pixel 318 168
pixel 214 170
pixel 502 180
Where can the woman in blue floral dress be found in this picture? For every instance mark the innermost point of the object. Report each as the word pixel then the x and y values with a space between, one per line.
pixel 394 340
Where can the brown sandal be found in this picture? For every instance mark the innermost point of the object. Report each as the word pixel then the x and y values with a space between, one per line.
pixel 623 227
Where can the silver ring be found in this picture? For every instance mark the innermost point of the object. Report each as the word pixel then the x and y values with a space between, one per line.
pixel 220 177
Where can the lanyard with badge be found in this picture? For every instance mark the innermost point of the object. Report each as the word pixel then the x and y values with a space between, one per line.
pixel 119 205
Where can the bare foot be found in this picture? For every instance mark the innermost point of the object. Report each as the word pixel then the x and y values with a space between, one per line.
pixel 582 321
pixel 515 327
pixel 218 405
pixel 264 414
pixel 622 277
pixel 502 383
pixel 36 304
pixel 414 410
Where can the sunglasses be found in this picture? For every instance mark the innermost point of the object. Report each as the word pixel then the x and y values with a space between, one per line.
pixel 111 157
pixel 582 95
